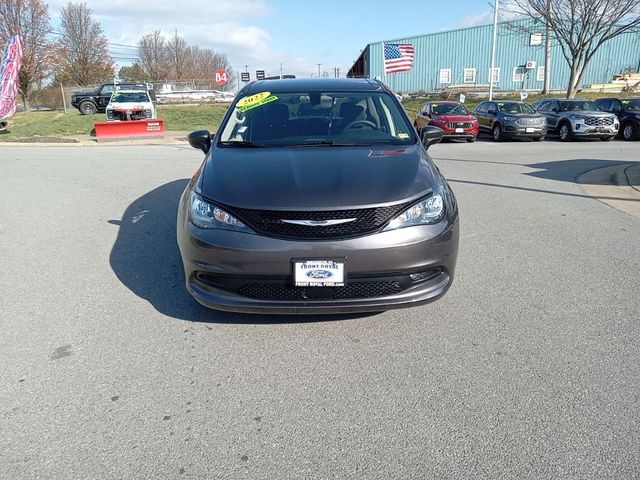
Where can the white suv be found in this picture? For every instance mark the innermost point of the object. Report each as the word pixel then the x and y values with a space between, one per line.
pixel 128 105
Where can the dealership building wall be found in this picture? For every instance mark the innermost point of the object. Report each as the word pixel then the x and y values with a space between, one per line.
pixel 463 58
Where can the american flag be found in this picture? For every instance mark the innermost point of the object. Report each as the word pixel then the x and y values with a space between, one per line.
pixel 398 57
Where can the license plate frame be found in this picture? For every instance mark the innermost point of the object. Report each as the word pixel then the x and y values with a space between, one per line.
pixel 319 272
pixel 529 130
pixel 459 130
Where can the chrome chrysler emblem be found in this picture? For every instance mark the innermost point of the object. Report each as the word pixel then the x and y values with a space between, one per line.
pixel 320 223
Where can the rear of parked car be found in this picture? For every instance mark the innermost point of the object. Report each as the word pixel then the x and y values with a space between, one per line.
pixel 573 118
pixel 509 119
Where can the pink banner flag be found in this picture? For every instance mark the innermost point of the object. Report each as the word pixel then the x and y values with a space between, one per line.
pixel 9 77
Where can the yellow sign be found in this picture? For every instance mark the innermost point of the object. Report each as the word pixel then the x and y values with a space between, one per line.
pixel 248 101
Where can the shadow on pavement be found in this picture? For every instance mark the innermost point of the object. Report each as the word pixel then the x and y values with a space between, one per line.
pixel 146 259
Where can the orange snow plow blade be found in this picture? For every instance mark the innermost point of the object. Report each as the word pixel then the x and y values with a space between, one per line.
pixel 131 129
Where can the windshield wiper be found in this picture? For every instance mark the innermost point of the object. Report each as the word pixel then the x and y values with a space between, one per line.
pixel 241 143
pixel 325 143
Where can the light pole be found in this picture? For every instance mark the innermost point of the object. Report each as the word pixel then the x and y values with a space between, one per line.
pixel 493 49
pixel 319 65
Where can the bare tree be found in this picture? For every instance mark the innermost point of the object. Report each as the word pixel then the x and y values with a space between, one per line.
pixel 134 73
pixel 581 27
pixel 83 55
pixel 152 51
pixel 30 20
pixel 178 58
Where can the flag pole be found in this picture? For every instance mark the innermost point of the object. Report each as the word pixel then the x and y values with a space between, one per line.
pixel 384 66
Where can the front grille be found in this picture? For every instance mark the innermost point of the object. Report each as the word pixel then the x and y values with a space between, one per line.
pixel 598 121
pixel 459 124
pixel 350 290
pixel 270 222
pixel 282 289
pixel 530 122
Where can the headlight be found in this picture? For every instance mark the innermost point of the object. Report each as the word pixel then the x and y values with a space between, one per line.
pixel 148 113
pixel 428 211
pixel 206 215
pixel 507 118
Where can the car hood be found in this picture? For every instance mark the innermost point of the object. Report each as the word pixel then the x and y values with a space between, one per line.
pixel 320 178
pixel 453 118
pixel 129 105
pixel 589 113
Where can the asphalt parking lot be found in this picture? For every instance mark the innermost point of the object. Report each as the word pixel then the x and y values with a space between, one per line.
pixel 527 368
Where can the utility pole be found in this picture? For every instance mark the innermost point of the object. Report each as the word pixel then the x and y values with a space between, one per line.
pixel 319 65
pixel 493 49
pixel 547 54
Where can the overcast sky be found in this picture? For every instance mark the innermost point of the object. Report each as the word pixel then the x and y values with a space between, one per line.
pixel 264 33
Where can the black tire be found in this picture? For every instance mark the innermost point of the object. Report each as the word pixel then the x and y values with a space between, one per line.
pixel 540 139
pixel 497 133
pixel 629 131
pixel 564 132
pixel 88 108
pixel 471 140
pixel 607 139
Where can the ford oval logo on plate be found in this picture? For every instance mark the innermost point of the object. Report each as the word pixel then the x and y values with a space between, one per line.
pixel 320 274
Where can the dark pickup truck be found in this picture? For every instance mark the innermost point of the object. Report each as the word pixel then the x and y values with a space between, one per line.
pixel 91 102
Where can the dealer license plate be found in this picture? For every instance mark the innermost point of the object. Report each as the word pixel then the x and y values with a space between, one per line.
pixel 318 273
pixel 529 130
pixel 459 130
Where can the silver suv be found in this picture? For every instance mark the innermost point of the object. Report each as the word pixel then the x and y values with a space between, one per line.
pixel 577 118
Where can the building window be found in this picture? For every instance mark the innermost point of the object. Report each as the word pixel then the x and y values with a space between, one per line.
pixel 496 75
pixel 469 75
pixel 445 76
pixel 540 74
pixel 518 74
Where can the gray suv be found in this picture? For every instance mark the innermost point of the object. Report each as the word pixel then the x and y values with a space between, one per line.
pixel 577 118
pixel 510 119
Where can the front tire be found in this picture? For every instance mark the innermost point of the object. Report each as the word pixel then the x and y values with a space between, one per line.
pixel 88 108
pixel 629 131
pixel 497 133
pixel 565 133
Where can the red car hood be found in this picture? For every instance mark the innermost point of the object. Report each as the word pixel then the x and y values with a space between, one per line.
pixel 453 118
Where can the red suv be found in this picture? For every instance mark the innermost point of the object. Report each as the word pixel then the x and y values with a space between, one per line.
pixel 452 117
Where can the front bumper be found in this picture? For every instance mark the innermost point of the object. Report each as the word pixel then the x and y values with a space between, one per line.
pixel 249 273
pixel 580 129
pixel 462 132
pixel 517 131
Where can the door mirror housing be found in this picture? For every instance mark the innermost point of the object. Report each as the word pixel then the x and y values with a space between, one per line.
pixel 201 139
pixel 555 109
pixel 431 135
pixel 491 112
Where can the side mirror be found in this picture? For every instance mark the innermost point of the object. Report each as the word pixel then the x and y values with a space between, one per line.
pixel 201 139
pixel 555 109
pixel 431 135
pixel 491 112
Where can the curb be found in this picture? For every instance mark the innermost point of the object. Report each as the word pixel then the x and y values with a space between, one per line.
pixel 618 186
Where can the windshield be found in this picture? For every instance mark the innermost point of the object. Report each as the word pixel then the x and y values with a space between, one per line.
pixel 448 109
pixel 514 107
pixel 317 118
pixel 130 97
pixel 567 106
pixel 631 105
